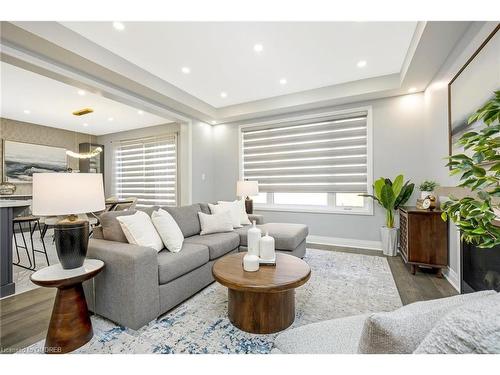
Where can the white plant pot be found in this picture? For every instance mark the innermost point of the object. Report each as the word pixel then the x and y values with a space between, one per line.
pixel 425 194
pixel 389 241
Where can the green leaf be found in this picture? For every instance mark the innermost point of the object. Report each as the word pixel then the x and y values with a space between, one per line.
pixel 495 168
pixel 478 171
pixel 387 197
pixel 405 194
pixel 377 187
pixel 397 185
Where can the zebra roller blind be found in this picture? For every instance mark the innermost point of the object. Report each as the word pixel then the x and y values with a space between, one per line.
pixel 147 169
pixel 326 154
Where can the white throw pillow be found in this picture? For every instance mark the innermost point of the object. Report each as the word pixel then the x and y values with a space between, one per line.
pixel 244 220
pixel 231 207
pixel 139 230
pixel 168 229
pixel 216 223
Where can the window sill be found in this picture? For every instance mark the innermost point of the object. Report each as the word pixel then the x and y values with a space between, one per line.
pixel 313 209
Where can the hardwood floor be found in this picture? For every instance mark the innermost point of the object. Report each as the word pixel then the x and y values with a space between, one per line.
pixel 422 286
pixel 24 318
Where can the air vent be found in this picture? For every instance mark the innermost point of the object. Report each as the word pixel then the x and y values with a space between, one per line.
pixel 84 111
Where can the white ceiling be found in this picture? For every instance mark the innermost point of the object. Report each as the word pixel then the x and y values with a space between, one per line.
pixel 221 56
pixel 51 103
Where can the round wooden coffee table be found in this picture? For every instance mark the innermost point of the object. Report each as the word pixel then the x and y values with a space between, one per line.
pixel 262 301
pixel 70 325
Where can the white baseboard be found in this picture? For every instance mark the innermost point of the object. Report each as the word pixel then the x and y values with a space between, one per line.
pixel 344 242
pixel 452 278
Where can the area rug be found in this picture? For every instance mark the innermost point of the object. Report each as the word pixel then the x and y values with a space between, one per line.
pixel 341 284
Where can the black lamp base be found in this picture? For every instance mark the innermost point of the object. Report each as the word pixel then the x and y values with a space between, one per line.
pixel 71 239
pixel 249 205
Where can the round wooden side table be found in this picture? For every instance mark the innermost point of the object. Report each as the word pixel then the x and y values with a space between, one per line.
pixel 70 326
pixel 261 301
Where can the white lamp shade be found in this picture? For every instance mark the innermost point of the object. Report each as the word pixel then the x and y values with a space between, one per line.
pixel 247 188
pixel 67 193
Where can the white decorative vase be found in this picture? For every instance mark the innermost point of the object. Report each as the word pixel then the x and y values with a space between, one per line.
pixel 253 238
pixel 250 263
pixel 266 248
pixel 425 194
pixel 389 241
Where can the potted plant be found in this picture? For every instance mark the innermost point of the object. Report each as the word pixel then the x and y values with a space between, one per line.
pixel 426 188
pixel 476 215
pixel 390 195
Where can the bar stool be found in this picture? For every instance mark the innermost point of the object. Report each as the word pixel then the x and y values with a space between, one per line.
pixel 36 223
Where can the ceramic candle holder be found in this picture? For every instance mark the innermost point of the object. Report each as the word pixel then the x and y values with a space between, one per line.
pixel 251 263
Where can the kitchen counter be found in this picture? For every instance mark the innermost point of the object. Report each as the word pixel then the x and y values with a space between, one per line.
pixel 8 210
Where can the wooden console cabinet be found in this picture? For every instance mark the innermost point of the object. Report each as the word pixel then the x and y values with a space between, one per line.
pixel 423 238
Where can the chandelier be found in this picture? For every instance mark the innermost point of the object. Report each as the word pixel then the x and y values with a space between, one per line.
pixel 84 155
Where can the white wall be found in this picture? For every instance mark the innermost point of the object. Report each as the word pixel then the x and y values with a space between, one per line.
pixel 202 162
pixel 436 117
pixel 398 142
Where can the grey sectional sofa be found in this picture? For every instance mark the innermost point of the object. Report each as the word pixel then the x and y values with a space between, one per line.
pixel 138 284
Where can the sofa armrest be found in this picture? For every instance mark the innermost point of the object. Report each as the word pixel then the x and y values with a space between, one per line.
pixel 259 219
pixel 127 290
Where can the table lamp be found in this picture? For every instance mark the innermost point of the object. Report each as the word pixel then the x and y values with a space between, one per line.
pixel 247 189
pixel 68 194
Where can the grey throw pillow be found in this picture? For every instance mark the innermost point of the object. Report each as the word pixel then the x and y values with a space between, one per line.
pixel 111 229
pixel 471 328
pixel 402 331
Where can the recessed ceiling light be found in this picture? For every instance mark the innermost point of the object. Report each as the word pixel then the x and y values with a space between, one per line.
pixel 118 26
pixel 361 64
pixel 81 92
pixel 139 112
pixel 223 94
pixel 85 124
pixel 185 70
pixel 283 81
pixel 258 47
pixel 213 122
pixel 110 119
pixel 412 89
pixel 27 111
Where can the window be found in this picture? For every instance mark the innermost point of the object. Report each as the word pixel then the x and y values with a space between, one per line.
pixel 349 200
pixel 147 169
pixel 319 163
pixel 307 199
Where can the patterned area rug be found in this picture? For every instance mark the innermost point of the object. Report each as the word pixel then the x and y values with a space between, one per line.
pixel 341 284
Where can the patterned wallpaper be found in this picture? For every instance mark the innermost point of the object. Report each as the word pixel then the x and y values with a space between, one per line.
pixel 13 130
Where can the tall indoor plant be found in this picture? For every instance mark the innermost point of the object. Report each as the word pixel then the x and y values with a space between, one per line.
pixel 476 213
pixel 390 195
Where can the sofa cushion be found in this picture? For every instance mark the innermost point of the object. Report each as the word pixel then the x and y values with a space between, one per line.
pixel 111 228
pixel 402 330
pixel 287 236
pixel 204 208
pixel 337 336
pixel 472 328
pixel 218 244
pixel 173 265
pixel 187 218
pixel 149 210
